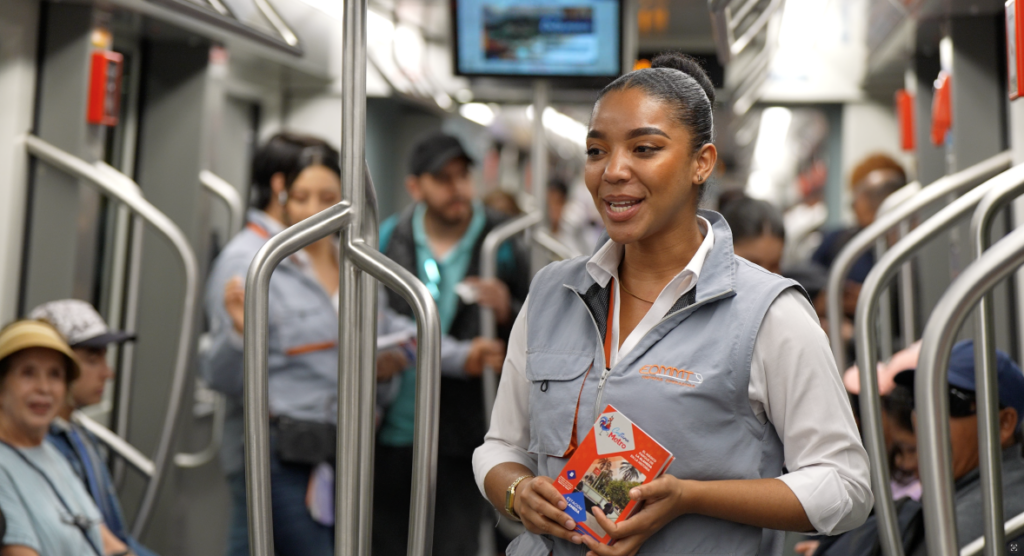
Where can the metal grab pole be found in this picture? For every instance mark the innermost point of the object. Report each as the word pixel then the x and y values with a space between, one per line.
pixel 118 445
pixel 1013 528
pixel 367 288
pixel 931 386
pixel 77 167
pixel 229 195
pixel 489 269
pixel 952 184
pixel 428 380
pixel 867 309
pixel 1008 185
pixel 256 332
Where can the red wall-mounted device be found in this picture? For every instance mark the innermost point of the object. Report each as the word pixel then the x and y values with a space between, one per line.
pixel 104 88
pixel 1014 48
pixel 942 108
pixel 905 117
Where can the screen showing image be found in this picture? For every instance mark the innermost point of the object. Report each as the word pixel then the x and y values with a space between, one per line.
pixel 577 38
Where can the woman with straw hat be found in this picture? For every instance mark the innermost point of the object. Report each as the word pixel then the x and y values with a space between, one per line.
pixel 47 509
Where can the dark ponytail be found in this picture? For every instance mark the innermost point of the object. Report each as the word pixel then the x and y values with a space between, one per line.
pixel 679 81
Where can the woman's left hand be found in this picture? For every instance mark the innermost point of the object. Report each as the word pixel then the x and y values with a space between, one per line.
pixel 663 502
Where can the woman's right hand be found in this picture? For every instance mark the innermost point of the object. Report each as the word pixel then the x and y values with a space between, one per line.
pixel 234 303
pixel 540 506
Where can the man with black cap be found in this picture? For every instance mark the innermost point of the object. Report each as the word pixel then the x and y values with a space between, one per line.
pixel 963 428
pixel 439 240
pixel 88 335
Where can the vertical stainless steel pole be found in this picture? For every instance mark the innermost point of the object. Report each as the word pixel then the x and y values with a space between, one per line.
pixel 908 318
pixel 539 167
pixel 351 329
pixel 367 372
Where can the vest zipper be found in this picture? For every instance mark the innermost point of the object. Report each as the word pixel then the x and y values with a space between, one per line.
pixel 608 371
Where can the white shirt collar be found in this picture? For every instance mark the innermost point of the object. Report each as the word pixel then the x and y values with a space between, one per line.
pixel 604 265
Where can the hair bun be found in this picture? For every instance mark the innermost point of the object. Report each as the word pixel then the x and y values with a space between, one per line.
pixel 688 65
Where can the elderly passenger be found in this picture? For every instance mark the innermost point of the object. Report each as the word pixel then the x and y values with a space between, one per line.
pixel 88 335
pixel 48 511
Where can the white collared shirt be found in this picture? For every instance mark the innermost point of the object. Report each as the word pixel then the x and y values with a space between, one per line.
pixel 604 266
pixel 794 384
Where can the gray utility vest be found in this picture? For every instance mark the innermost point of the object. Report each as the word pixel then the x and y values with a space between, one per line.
pixel 685 384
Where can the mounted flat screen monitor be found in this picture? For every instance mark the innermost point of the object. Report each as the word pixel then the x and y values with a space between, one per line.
pixel 538 38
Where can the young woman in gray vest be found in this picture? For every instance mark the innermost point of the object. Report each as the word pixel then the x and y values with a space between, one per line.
pixel 744 385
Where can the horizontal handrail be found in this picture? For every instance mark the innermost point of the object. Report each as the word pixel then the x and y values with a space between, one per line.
pixel 867 358
pixel 1007 186
pixel 256 336
pixel 488 270
pixel 1013 528
pixel 192 460
pixel 953 184
pixel 115 188
pixel 118 445
pixel 229 195
pixel 931 385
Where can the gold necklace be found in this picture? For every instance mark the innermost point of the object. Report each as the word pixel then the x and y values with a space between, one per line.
pixel 623 286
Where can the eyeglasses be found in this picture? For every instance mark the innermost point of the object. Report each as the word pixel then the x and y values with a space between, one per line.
pixel 962 403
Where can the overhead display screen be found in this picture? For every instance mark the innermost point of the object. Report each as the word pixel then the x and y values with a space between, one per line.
pixel 538 38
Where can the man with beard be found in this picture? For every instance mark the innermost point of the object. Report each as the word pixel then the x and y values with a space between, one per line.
pixel 439 239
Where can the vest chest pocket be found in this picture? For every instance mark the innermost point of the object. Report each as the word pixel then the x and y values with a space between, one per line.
pixel 557 381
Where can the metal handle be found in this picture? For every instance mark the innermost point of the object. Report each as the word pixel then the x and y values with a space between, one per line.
pixel 75 166
pixel 118 445
pixel 931 385
pixel 867 359
pixel 229 195
pixel 1013 528
pixel 489 269
pixel 1008 185
pixel 953 184
pixel 554 246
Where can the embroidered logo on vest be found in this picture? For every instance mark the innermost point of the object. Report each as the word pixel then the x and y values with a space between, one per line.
pixel 672 375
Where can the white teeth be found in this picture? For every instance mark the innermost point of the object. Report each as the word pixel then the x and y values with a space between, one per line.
pixel 621 206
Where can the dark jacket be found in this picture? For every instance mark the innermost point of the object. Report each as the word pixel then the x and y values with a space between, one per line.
pixel 462 412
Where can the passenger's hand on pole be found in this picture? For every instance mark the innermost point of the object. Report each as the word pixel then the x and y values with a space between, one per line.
pixel 493 294
pixel 234 302
pixel 484 352
pixel 390 363
pixel 540 507
pixel 662 502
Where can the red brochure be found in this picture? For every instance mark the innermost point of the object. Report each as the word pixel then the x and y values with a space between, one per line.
pixel 615 456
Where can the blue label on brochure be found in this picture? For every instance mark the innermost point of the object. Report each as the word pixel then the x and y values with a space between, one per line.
pixel 575 506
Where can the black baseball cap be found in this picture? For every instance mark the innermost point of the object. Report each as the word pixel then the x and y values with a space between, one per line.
pixel 433 151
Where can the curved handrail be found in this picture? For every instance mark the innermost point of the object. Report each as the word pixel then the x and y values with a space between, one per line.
pixel 118 445
pixel 277 22
pixel 1009 185
pixel 75 166
pixel 488 270
pixel 1014 527
pixel 256 331
pixel 867 308
pixel 229 195
pixel 554 246
pixel 428 390
pixel 952 184
pixel 931 385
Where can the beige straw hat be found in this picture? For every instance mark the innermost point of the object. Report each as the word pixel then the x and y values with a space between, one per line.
pixel 25 334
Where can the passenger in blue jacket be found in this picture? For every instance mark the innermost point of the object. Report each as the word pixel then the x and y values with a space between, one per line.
pixel 294 178
pixel 745 384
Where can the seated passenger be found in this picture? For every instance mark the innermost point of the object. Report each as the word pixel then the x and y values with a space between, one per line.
pixel 47 509
pixel 963 426
pixel 757 231
pixel 88 335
